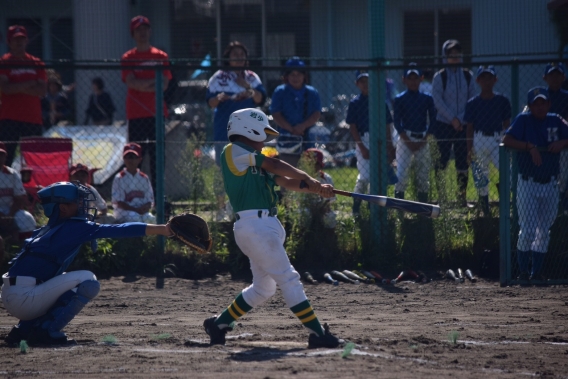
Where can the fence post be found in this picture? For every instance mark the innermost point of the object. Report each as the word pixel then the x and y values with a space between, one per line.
pixel 504 217
pixel 160 154
pixel 515 87
pixel 377 124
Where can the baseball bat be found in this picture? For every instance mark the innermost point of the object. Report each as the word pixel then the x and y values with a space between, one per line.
pixel 379 278
pixel 367 278
pixel 460 274
pixel 354 276
pixel 330 280
pixel 470 276
pixel 341 276
pixel 424 209
pixel 309 278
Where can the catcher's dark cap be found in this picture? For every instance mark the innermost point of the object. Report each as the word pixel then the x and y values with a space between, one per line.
pixel 16 31
pixel 132 148
pixel 137 21
pixel 78 167
pixel 451 44
pixel 554 66
pixel 2 147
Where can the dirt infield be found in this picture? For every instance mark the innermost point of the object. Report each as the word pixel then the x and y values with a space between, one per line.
pixel 401 331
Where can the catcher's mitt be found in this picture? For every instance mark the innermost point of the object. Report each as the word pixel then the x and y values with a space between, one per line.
pixel 191 230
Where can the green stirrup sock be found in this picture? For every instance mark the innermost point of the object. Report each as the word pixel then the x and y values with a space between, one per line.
pixel 236 310
pixel 307 316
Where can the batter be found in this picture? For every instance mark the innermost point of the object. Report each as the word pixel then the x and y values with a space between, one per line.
pixel 249 179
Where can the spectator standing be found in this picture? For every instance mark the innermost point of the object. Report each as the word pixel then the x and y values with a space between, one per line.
pixel 414 111
pixel 554 76
pixel 323 205
pixel 22 85
pixel 79 172
pixel 540 136
pixel 229 90
pixel 487 116
pixel 55 105
pixel 132 194
pixel 452 87
pixel 141 95
pixel 358 120
pixel 13 198
pixel 295 107
pixel 101 107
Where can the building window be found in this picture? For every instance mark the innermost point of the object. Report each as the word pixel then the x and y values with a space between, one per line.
pixel 426 31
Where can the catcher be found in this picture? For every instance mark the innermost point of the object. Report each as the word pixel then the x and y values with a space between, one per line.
pixel 249 179
pixel 36 289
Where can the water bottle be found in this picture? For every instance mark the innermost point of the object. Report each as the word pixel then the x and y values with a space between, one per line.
pixel 479 178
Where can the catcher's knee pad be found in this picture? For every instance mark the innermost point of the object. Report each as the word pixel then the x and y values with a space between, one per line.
pixel 89 289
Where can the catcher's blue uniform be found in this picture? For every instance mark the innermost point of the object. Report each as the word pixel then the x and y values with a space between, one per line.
pixel 36 289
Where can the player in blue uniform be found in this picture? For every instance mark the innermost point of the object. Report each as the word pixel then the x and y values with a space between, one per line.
pixel 358 120
pixel 554 76
pixel 487 116
pixel 414 111
pixel 36 288
pixel 540 136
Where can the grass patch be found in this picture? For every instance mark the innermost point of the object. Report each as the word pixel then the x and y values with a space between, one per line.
pixel 453 337
pixel 109 340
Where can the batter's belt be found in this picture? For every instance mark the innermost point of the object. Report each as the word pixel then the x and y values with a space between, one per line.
pixel 258 213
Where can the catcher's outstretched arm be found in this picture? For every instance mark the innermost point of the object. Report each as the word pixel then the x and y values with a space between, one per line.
pixel 161 230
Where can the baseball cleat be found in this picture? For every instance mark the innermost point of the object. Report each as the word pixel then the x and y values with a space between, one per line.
pixel 41 337
pixel 15 336
pixel 217 335
pixel 327 340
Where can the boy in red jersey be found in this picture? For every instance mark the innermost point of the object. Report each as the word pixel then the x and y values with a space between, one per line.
pixel 22 85
pixel 141 95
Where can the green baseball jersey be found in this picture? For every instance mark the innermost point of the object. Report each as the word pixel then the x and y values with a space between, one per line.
pixel 246 183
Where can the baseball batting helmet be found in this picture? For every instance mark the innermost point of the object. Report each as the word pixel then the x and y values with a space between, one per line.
pixel 252 124
pixel 65 193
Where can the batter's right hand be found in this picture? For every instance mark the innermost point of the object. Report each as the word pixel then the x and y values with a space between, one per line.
pixel 326 190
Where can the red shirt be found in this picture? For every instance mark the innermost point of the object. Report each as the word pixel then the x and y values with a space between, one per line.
pixel 20 106
pixel 143 104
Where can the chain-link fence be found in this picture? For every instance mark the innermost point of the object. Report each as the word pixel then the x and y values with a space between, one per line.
pixel 438 144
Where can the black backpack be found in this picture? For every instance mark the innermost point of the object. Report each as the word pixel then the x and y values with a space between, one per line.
pixel 444 74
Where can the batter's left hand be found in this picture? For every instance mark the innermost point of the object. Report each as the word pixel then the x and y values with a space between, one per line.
pixel 326 190
pixel 556 146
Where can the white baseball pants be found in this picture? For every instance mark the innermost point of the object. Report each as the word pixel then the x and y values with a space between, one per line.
pixel 486 150
pixel 262 239
pixel 537 205
pixel 27 301
pixel 404 158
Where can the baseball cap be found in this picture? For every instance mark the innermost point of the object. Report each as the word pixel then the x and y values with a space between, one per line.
pixel 16 31
pixel 554 66
pixel 295 64
pixel 2 147
pixel 451 44
pixel 412 69
pixel 489 69
pixel 132 148
pixel 137 21
pixel 535 93
pixel 78 167
pixel 361 74
pixel 316 154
